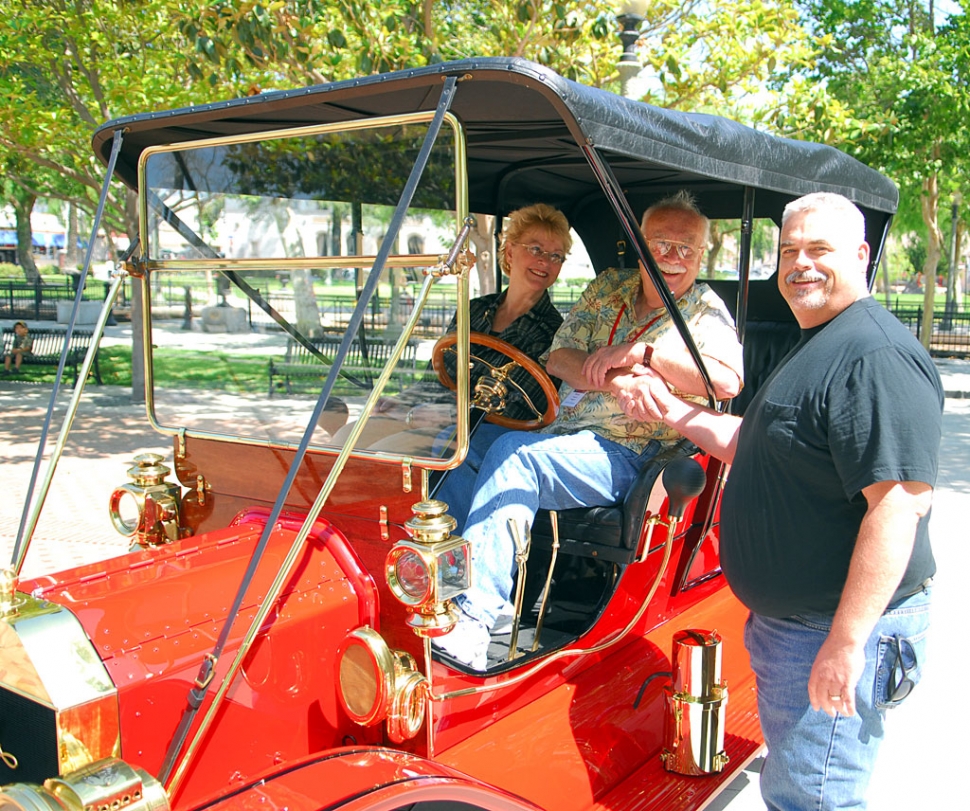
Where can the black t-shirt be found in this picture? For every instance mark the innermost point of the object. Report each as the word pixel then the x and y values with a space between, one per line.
pixel 857 401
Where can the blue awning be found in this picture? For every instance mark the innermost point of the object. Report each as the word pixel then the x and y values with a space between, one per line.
pixel 60 240
pixel 45 239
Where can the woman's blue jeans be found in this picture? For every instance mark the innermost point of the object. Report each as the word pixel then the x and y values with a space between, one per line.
pixel 459 485
pixel 521 473
pixel 816 762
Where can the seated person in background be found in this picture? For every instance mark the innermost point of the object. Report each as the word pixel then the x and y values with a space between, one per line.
pixel 23 343
pixel 592 452
pixel 532 247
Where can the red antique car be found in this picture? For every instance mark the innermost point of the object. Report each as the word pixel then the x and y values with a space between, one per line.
pixel 266 643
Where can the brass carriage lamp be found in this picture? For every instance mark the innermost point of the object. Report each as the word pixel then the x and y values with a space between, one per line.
pixel 157 503
pixel 429 569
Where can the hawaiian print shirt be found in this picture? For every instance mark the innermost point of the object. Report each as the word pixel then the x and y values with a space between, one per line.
pixel 605 315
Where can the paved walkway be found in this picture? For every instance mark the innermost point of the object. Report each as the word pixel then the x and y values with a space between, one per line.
pixel 919 767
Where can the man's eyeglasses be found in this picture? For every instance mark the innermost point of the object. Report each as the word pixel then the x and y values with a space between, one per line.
pixel 662 247
pixel 902 684
pixel 552 256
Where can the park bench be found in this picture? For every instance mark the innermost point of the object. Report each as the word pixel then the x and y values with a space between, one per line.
pixel 360 370
pixel 48 345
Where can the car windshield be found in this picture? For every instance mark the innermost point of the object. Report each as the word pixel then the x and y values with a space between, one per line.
pixel 259 252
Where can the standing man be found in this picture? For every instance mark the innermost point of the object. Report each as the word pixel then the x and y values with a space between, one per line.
pixel 825 514
pixel 591 453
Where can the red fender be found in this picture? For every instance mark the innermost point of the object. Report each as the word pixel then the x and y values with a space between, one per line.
pixel 365 779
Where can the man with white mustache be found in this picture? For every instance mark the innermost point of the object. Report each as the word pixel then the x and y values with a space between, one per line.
pixel 825 514
pixel 592 451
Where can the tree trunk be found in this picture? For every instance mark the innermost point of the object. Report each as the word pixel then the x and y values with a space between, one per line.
pixel 958 288
pixel 70 248
pixel 482 238
pixel 717 241
pixel 23 205
pixel 929 204
pixel 301 280
pixel 885 279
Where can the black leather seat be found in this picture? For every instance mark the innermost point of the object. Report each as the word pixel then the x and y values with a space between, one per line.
pixel 765 345
pixel 607 533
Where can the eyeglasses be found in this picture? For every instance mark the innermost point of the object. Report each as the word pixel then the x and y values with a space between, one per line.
pixel 902 683
pixel 664 246
pixel 554 257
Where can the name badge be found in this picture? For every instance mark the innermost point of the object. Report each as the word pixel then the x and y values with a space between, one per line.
pixel 573 399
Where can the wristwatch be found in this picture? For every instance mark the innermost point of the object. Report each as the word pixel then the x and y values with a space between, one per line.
pixel 647 354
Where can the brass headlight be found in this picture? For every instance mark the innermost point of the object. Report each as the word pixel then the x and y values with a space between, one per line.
pixel 108 784
pixel 410 573
pixel 365 673
pixel 377 683
pixel 148 507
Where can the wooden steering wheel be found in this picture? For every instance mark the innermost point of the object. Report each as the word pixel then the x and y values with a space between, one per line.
pixel 517 359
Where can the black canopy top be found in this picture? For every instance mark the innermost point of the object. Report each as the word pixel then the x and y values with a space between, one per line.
pixel 526 128
pixel 519 114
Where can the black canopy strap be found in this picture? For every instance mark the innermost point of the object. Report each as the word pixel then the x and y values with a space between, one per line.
pixel 18 556
pixel 609 184
pixel 744 261
pixel 197 693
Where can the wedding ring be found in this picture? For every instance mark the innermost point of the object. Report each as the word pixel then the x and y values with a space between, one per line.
pixel 835 698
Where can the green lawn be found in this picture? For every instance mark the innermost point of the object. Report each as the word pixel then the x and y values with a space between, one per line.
pixel 909 300
pixel 188 369
pixel 216 371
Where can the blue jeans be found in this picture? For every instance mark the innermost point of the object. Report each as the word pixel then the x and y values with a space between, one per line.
pixel 816 762
pixel 521 473
pixel 458 486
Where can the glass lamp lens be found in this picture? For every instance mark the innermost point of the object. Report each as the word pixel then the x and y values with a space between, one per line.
pixel 453 574
pixel 413 575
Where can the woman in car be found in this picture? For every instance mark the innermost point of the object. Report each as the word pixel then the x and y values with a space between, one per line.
pixel 533 245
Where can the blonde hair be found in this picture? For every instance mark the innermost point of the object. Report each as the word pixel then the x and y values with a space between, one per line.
pixel 522 220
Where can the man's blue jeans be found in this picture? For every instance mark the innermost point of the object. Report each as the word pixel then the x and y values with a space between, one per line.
pixel 816 762
pixel 521 473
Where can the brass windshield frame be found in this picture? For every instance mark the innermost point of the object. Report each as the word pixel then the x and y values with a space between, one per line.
pixel 144 266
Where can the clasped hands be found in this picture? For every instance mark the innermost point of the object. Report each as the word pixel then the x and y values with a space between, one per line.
pixel 639 390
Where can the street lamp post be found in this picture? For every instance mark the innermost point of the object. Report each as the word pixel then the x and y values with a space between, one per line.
pixel 952 274
pixel 630 15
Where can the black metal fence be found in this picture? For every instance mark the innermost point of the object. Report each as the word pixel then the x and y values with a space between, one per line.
pixel 951 330
pixel 39 302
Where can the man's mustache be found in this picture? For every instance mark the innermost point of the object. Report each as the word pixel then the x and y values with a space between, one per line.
pixel 804 276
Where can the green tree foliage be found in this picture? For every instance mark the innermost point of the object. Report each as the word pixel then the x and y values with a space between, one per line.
pixel 902 83
pixel 67 67
pixel 295 42
pixel 718 56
